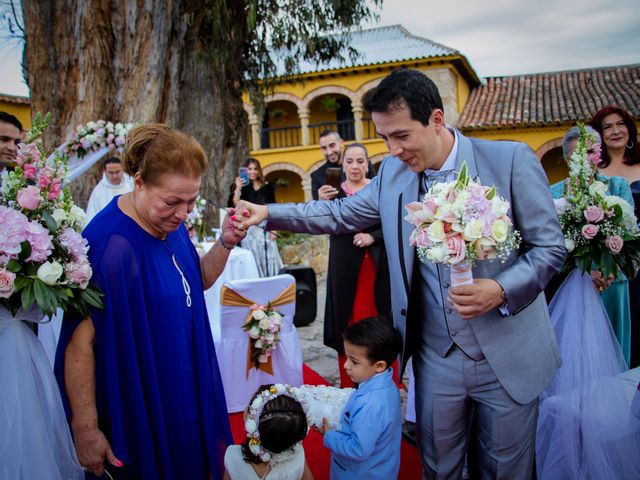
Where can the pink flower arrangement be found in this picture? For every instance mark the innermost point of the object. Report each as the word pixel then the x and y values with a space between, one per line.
pixel 93 136
pixel 460 222
pixel 599 229
pixel 43 257
pixel 263 327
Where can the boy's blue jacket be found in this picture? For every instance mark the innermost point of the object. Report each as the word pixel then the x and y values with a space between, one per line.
pixel 368 444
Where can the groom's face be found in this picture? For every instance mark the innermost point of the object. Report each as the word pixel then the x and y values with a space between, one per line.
pixel 408 139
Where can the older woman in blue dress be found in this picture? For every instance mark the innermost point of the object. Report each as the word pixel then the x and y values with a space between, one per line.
pixel 141 377
pixel 614 292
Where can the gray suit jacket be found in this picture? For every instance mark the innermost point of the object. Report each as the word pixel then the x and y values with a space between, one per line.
pixel 521 348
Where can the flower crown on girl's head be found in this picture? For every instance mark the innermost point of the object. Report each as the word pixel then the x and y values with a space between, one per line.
pixel 255 410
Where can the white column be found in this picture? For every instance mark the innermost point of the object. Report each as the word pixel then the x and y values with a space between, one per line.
pixel 303 114
pixel 356 108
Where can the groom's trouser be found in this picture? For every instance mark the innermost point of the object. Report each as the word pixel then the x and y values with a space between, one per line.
pixel 446 390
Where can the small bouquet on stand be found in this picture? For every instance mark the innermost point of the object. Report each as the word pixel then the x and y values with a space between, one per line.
pixel 43 257
pixel 460 222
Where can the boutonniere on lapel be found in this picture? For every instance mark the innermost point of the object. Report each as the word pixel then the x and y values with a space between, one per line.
pixel 460 222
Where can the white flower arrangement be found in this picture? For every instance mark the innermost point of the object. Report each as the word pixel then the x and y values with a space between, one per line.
pixel 195 220
pixel 263 327
pixel 96 135
pixel 254 411
pixel 323 401
pixel 460 222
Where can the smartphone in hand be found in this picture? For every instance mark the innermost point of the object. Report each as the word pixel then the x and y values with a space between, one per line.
pixel 244 175
pixel 332 177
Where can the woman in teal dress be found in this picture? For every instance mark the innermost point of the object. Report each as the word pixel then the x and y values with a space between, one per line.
pixel 616 296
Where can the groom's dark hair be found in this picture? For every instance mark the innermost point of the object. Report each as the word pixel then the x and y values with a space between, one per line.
pixel 405 87
pixel 380 339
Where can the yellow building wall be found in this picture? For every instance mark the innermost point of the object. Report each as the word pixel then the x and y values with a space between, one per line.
pixel 20 111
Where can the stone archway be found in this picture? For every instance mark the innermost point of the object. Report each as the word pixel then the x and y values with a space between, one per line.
pixel 328 89
pixel 548 146
pixel 292 180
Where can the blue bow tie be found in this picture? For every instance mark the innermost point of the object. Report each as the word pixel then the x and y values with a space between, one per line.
pixel 432 177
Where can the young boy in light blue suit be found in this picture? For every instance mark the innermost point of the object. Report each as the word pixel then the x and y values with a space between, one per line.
pixel 367 446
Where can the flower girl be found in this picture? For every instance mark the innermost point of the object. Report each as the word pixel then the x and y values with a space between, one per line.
pixel 276 423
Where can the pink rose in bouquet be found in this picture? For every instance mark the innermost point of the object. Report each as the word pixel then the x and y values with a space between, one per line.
pixel 614 243
pixel 79 272
pixel 7 286
pixel 29 197
pixel 589 231
pixel 594 214
pixel 457 248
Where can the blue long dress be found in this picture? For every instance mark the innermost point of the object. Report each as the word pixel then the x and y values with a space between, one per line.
pixel 634 290
pixel 159 393
pixel 616 297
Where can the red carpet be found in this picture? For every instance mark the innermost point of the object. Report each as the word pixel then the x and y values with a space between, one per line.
pixel 318 456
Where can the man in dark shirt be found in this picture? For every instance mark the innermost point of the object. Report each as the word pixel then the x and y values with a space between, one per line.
pixel 331 147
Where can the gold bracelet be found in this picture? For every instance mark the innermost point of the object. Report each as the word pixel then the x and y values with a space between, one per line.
pixel 224 245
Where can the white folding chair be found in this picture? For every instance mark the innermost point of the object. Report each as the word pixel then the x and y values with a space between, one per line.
pixel 231 348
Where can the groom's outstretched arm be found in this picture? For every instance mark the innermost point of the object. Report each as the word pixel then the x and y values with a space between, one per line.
pixel 350 214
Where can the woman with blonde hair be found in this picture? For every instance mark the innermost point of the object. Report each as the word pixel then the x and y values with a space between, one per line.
pixel 141 378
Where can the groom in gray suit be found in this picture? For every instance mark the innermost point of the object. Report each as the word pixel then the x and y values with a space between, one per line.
pixel 484 350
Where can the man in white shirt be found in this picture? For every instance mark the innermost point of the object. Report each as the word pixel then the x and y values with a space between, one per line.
pixel 114 182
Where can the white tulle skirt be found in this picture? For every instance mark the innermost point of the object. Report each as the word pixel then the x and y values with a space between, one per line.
pixel 35 442
pixel 585 423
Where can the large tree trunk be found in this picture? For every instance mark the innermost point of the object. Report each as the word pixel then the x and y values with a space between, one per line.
pixel 138 61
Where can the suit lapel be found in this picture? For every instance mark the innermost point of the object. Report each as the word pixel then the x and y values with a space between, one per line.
pixel 407 252
pixel 465 154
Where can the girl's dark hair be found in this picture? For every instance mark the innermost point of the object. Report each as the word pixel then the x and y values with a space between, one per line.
pixel 282 424
pixel 631 155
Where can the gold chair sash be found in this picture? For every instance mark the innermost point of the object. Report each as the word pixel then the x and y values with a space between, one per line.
pixel 231 298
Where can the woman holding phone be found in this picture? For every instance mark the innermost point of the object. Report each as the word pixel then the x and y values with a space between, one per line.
pixel 358 275
pixel 251 186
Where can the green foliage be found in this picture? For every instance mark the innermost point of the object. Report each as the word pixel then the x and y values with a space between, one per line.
pixel 287 238
pixel 249 37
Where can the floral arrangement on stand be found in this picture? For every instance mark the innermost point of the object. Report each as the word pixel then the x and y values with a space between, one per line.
pixel 460 222
pixel 600 230
pixel 252 420
pixel 263 327
pixel 43 257
pixel 93 136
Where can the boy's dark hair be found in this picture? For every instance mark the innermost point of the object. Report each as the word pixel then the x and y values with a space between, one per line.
pixel 283 423
pixel 381 340
pixel 8 118
pixel 405 87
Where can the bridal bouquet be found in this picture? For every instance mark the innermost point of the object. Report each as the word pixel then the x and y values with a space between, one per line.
pixel 600 230
pixel 96 135
pixel 263 328
pixel 43 257
pixel 195 221
pixel 460 222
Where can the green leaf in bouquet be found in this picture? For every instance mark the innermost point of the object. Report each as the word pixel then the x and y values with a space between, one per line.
pixel 463 177
pixel 607 265
pixel 40 292
pixel 91 297
pixel 49 221
pixel 27 297
pixel 491 193
pixel 25 250
pixel 13 266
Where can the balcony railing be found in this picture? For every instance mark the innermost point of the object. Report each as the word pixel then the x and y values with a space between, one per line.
pixel 281 137
pixel 346 129
pixel 285 137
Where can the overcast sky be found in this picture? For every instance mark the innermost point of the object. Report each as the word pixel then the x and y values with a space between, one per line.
pixel 498 37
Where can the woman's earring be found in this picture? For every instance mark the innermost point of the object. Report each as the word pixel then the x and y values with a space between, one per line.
pixel 629 144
